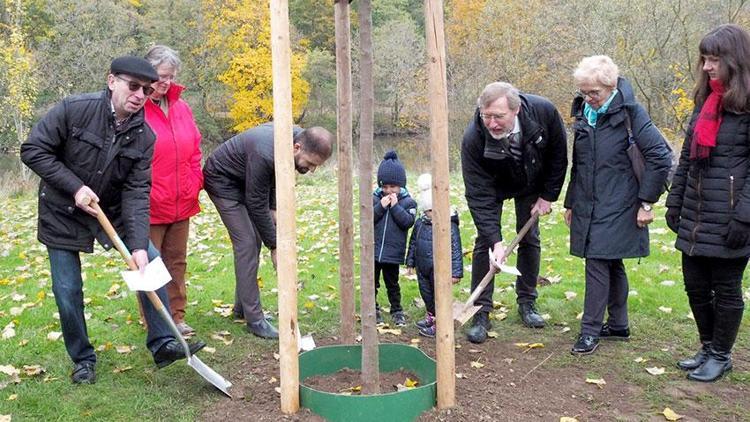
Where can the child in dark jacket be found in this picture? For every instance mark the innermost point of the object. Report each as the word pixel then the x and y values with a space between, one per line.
pixel 419 256
pixel 394 212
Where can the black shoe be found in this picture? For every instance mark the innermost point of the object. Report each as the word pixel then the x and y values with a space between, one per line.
pixel 263 329
pixel 529 315
pixel 717 364
pixel 84 373
pixel 694 362
pixel 479 327
pixel 399 319
pixel 608 333
pixel 173 350
pixel 585 345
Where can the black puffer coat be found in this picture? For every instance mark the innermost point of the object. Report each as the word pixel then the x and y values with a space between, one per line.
pixel 708 198
pixel 391 226
pixel 603 192
pixel 75 144
pixel 419 255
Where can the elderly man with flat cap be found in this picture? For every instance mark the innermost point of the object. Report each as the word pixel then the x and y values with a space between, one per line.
pixel 97 147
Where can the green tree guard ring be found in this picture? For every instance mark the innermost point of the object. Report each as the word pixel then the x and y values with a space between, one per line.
pixel 395 406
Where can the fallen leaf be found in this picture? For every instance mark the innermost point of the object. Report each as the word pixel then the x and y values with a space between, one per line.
pixel 460 375
pixel 54 335
pixel 598 381
pixel 124 349
pixel 639 360
pixel 9 331
pixel 579 316
pixel 5 418
pixel 570 295
pixel 670 415
pixel 309 304
pixel 393 331
pixel 276 356
pixel 23 343
pixel 277 389
pixel 209 350
pixel 15 297
pixel 667 283
pixel 272 380
pixel 565 329
pixel 665 309
pixel 655 371
pixel 119 370
pixel 492 334
pixel 32 370
pixel 476 364
pixel 13 397
pixel 567 419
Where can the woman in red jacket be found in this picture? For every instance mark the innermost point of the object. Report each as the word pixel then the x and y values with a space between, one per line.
pixel 176 174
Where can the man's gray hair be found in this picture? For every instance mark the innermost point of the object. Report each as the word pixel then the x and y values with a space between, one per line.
pixel 497 90
pixel 161 54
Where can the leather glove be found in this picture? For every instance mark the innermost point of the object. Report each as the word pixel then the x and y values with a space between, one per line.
pixel 673 218
pixel 737 234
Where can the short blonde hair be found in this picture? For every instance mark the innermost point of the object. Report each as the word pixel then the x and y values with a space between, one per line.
pixel 597 69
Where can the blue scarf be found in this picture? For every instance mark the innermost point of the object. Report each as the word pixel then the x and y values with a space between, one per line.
pixel 592 115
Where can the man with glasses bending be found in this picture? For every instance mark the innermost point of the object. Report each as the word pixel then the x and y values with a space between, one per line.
pixel 97 147
pixel 514 147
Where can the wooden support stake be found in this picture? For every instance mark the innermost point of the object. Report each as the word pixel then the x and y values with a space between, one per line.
pixel 441 244
pixel 370 352
pixel 286 243
pixel 344 136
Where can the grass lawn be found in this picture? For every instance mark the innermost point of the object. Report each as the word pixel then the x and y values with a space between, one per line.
pixel 130 387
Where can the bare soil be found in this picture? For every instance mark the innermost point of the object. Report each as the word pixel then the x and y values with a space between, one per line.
pixel 517 383
pixel 349 381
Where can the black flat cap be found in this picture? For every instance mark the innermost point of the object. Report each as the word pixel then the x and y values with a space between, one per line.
pixel 134 66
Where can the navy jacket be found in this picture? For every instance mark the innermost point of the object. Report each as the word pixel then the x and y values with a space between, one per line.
pixel 391 226
pixel 419 255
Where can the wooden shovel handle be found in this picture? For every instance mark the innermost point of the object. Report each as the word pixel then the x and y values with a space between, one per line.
pixel 491 273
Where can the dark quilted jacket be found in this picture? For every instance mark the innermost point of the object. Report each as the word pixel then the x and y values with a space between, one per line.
pixel 419 255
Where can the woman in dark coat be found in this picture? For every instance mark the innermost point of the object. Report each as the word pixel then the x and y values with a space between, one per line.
pixel 709 204
pixel 605 206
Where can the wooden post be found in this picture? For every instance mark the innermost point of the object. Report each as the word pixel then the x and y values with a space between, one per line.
pixel 344 136
pixel 286 243
pixel 441 244
pixel 370 352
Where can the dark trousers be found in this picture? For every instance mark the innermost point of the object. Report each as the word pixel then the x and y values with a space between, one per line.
pixel 714 290
pixel 606 289
pixel 529 254
pixel 246 244
pixel 426 283
pixel 390 276
pixel 67 285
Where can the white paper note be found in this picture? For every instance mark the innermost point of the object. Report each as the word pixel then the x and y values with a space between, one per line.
pixel 155 276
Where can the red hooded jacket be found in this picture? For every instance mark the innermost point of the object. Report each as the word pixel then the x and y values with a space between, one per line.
pixel 176 176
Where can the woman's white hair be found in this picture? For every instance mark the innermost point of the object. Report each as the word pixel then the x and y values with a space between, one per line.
pixel 597 69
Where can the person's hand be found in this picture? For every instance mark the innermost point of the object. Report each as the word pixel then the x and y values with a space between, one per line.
pixel 541 207
pixel 273 258
pixel 140 257
pixel 385 201
pixel 568 216
pixel 455 280
pixel 410 271
pixel 83 198
pixel 644 218
pixel 498 254
pixel 737 234
pixel 394 199
pixel 673 218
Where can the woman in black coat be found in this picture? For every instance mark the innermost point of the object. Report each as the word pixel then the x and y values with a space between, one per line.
pixel 605 206
pixel 709 204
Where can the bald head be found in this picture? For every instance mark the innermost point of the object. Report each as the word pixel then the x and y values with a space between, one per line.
pixel 316 140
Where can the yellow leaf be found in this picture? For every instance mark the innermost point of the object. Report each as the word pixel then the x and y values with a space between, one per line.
pixel 119 370
pixel 598 381
pixel 32 370
pixel 260 282
pixel 392 331
pixel 670 415
pixel 568 419
pixel 476 364
pixel 124 349
pixel 409 383
pixel 655 371
pixel 54 335
pixel 492 334
pixel 309 304
pixel 13 397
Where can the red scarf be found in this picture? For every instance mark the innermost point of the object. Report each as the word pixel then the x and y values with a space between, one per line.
pixel 709 120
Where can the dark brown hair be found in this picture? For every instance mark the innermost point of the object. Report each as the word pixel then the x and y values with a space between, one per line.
pixel 731 44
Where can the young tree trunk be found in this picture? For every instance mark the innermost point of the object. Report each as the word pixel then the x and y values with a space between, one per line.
pixel 441 243
pixel 370 363
pixel 344 135
pixel 286 225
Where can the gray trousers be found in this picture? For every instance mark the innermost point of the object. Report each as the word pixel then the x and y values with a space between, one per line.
pixel 606 289
pixel 246 247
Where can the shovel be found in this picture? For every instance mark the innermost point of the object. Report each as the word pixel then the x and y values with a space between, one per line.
pixel 192 360
pixel 462 312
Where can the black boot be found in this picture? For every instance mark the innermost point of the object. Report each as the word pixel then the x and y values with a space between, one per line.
pixel 693 362
pixel 703 313
pixel 726 325
pixel 479 327
pixel 529 316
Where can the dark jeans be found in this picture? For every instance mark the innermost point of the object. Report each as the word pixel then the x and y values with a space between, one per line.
pixel 67 285
pixel 427 289
pixel 716 280
pixel 390 276
pixel 606 288
pixel 246 244
pixel 529 254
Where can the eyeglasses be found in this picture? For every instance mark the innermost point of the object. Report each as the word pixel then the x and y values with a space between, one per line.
pixel 594 93
pixel 134 86
pixel 490 117
pixel 166 78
